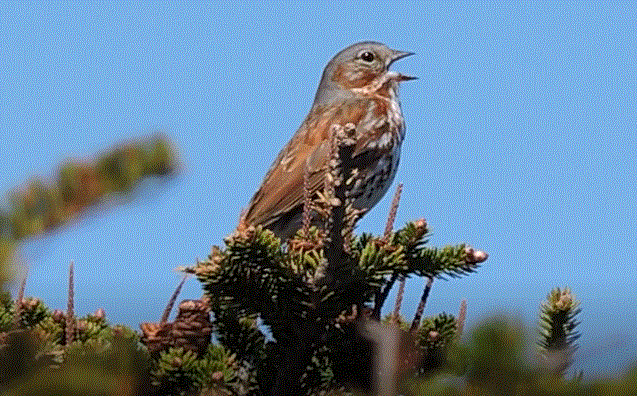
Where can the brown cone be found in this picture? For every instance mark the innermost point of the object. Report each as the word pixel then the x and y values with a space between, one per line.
pixel 192 326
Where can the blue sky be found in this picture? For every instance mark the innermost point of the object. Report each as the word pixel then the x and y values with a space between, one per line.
pixel 521 140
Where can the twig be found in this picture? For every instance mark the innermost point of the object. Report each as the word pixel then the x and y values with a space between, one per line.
pixel 18 302
pixel 462 317
pixel 415 324
pixel 391 219
pixel 341 167
pixel 70 319
pixel 381 297
pixel 171 302
pixel 399 298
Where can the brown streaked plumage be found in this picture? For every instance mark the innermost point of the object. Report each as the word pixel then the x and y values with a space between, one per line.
pixel 357 87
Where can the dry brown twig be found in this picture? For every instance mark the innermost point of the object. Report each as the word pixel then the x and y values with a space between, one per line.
pixel 20 300
pixel 415 324
pixel 399 299
pixel 381 295
pixel 462 317
pixel 391 219
pixel 70 314
pixel 340 168
pixel 173 298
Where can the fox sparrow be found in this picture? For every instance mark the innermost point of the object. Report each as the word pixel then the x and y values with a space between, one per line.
pixel 357 88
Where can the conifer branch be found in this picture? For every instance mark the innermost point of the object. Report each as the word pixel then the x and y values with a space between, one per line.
pixel 340 224
pixel 433 337
pixel 251 274
pixel 43 206
pixel 558 329
pixel 411 238
pixel 312 292
pixel 453 261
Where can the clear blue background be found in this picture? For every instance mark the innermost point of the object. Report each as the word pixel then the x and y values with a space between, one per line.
pixel 521 141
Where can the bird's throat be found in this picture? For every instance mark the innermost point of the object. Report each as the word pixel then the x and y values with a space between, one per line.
pixel 384 86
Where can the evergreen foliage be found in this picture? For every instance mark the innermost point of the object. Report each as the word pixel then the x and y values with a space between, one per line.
pixel 40 206
pixel 285 286
pixel 296 317
pixel 78 185
pixel 558 329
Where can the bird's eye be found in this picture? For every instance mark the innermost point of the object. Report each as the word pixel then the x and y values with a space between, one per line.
pixel 367 56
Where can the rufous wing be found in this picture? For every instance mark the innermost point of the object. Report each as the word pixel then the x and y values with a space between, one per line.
pixel 282 188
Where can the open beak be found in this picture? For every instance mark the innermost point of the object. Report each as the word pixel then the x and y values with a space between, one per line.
pixel 402 77
pixel 399 55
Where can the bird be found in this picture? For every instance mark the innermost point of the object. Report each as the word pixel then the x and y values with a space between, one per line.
pixel 356 89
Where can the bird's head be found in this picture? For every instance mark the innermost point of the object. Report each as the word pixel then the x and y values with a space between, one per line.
pixel 361 66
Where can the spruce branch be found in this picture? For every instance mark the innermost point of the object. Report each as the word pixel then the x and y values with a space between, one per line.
pixel 452 261
pixel 413 236
pixel 433 337
pixel 31 312
pixel 377 262
pixel 251 273
pixel 410 238
pixel 306 333
pixel 436 331
pixel 42 206
pixel 306 255
pixel 558 329
pixel 239 334
pixel 313 292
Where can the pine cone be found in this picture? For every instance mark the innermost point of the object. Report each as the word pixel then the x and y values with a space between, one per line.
pixel 192 326
pixel 156 337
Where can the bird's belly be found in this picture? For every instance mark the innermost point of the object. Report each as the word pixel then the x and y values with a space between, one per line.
pixel 377 177
pixel 371 188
